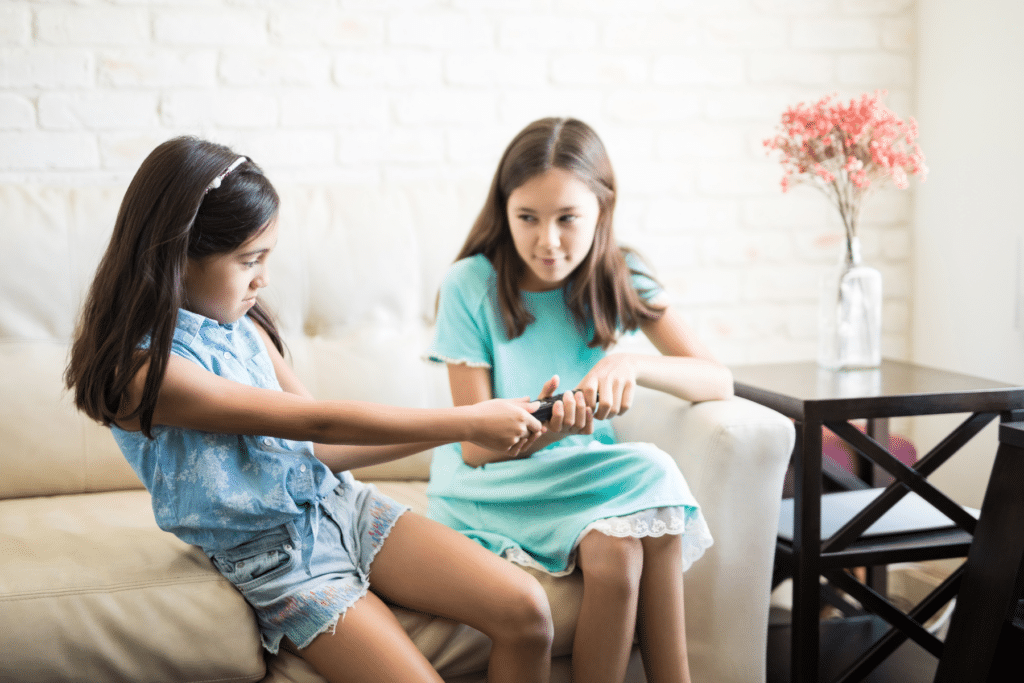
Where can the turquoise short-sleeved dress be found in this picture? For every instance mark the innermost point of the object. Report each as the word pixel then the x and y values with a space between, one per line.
pixel 535 510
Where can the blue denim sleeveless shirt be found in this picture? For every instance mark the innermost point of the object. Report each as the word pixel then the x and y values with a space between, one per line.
pixel 218 491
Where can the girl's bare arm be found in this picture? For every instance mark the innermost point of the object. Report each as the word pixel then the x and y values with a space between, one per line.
pixel 194 398
pixel 686 369
pixel 341 456
pixel 471 385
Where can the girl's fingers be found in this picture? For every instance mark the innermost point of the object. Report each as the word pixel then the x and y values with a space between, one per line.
pixel 616 407
pixel 532 423
pixel 627 398
pixel 569 414
pixel 580 422
pixel 609 398
pixel 530 441
pixel 589 426
pixel 569 406
pixel 531 407
pixel 524 442
pixel 557 420
pixel 549 387
pixel 605 399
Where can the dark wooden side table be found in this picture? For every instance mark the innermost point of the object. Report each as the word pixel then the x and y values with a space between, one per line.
pixel 813 398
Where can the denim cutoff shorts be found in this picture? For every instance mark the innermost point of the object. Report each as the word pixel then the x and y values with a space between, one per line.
pixel 290 601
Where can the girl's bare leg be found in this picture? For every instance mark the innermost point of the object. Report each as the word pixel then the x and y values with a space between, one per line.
pixel 662 624
pixel 368 645
pixel 428 567
pixel 612 569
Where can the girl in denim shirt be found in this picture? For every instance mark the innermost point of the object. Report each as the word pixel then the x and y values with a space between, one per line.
pixel 178 356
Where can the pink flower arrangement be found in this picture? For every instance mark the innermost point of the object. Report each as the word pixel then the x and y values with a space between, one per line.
pixel 846 150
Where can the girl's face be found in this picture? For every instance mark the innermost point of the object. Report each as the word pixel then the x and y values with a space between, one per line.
pixel 223 287
pixel 553 217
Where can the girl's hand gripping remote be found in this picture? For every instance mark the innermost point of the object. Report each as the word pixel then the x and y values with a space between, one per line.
pixel 544 412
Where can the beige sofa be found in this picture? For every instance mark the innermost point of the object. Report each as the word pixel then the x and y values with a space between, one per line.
pixel 91 590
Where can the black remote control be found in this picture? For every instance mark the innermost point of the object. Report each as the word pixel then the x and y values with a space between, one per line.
pixel 544 412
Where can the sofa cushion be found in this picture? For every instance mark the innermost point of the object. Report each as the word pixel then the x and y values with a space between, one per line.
pixel 92 590
pixel 49 447
pixel 379 364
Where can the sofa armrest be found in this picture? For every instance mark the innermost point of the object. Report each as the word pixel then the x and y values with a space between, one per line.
pixel 734 455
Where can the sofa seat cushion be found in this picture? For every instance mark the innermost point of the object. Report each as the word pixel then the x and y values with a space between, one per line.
pixel 92 590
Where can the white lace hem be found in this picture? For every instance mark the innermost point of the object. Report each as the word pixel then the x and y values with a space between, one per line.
pixel 688 522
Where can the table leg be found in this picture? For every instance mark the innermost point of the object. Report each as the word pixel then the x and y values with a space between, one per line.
pixel 878 429
pixel 804 647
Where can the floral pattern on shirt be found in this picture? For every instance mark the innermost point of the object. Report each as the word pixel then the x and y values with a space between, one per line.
pixel 219 490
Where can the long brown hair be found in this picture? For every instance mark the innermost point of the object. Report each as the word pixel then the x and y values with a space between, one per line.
pixel 600 288
pixel 170 213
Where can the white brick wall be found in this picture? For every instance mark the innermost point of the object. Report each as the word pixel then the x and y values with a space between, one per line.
pixel 424 94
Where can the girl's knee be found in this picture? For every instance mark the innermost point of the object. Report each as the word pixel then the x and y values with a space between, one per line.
pixel 524 618
pixel 615 564
pixel 672 543
pixel 665 552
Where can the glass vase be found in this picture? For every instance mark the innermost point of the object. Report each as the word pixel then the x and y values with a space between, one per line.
pixel 850 318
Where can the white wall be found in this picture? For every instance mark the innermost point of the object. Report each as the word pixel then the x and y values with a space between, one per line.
pixel 420 96
pixel 969 235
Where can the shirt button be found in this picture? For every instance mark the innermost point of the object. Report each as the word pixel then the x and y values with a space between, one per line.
pixel 302 468
pixel 227 354
pixel 268 441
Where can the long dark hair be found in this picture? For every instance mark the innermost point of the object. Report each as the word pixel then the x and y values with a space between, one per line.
pixel 170 213
pixel 600 288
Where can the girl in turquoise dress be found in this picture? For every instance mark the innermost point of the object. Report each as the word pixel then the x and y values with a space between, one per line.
pixel 537 295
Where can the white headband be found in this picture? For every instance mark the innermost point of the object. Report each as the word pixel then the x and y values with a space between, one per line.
pixel 215 183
